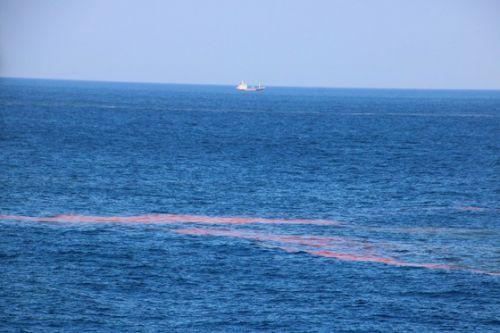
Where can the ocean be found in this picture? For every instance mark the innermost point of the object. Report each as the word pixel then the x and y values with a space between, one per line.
pixel 190 208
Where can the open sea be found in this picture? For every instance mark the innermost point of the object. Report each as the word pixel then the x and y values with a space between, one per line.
pixel 189 208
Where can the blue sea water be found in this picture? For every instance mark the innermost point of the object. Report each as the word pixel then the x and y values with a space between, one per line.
pixel 411 177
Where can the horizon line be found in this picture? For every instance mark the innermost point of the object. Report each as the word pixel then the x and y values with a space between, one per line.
pixel 229 85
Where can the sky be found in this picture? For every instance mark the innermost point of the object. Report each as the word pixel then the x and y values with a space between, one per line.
pixel 451 44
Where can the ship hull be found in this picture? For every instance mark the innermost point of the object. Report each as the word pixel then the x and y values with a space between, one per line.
pixel 250 89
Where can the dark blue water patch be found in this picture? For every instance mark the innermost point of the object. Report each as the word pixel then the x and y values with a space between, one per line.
pixel 413 174
pixel 122 278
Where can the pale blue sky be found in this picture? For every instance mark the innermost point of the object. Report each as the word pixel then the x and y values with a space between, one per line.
pixel 333 43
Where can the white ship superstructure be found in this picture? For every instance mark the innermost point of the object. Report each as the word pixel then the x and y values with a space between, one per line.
pixel 243 86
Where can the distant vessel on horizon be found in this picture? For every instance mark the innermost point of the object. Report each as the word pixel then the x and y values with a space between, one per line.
pixel 245 87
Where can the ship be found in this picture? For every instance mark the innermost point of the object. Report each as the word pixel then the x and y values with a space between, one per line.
pixel 245 87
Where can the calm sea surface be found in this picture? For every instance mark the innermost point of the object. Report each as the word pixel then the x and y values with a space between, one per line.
pixel 178 208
